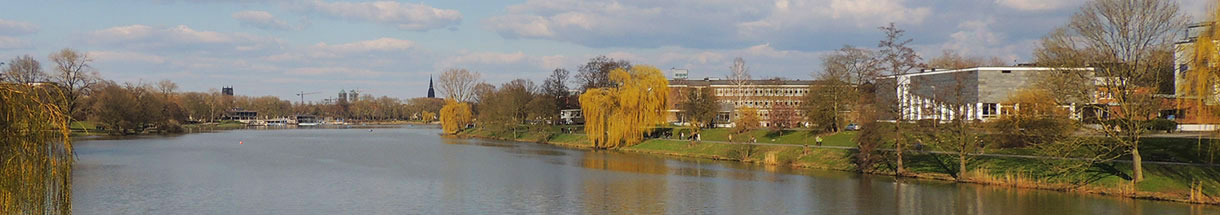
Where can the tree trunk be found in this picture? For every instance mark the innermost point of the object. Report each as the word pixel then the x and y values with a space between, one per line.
pixel 961 164
pixel 1137 163
pixel 898 142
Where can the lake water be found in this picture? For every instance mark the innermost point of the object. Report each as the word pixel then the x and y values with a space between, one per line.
pixel 411 170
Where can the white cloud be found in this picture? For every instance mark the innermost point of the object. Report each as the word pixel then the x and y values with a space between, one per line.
pixel 264 20
pixel 1038 5
pixel 124 56
pixel 352 49
pixel 406 16
pixel 521 25
pixel 10 27
pixel 554 61
pixel 976 38
pixel 379 44
pixel 480 58
pixel 7 42
pixel 179 37
pixel 694 23
pixel 860 14
pixel 314 71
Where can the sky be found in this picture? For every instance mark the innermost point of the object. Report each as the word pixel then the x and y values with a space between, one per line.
pixel 391 48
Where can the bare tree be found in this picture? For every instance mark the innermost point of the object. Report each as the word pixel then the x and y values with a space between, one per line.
pixel 855 65
pixel 1120 39
pixel 596 73
pixel 825 101
pixel 75 75
pixel 458 84
pixel 24 70
pixel 843 72
pixel 556 89
pixel 167 88
pixel 960 135
pixel 740 77
pixel 950 59
pixel 897 59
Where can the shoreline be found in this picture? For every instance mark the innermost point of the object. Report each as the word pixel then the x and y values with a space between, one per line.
pixel 1018 181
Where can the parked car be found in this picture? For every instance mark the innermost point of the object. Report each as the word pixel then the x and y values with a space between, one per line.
pixel 852 127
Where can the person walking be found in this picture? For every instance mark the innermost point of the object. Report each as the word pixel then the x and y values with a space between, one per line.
pixel 805 151
pixel 819 139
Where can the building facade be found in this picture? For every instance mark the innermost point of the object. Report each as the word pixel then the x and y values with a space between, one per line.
pixel 763 95
pixel 980 93
pixel 1191 108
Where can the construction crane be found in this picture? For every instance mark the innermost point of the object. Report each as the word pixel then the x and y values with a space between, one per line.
pixel 303 93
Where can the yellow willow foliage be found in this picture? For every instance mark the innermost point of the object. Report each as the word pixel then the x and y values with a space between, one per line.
pixel 622 115
pixel 455 116
pixel 1204 73
pixel 35 151
pixel 596 105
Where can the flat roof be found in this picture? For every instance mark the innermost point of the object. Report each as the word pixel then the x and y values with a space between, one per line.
pixel 1012 68
pixel 701 82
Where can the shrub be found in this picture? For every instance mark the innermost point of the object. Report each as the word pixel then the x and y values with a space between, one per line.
pixel 1163 125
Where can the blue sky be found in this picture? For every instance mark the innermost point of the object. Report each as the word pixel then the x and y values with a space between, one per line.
pixel 280 47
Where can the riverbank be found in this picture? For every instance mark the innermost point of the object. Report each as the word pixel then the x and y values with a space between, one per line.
pixel 1163 181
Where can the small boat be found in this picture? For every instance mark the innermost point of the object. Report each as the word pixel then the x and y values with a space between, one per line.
pixel 277 122
pixel 307 120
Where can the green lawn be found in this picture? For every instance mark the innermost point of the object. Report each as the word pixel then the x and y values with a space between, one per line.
pixel 771 136
pixel 82 125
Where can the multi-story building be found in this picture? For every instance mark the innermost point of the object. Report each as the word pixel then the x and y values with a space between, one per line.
pixel 763 95
pixel 1191 107
pixel 982 93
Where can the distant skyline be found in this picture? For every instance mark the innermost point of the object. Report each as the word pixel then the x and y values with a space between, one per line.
pixel 281 47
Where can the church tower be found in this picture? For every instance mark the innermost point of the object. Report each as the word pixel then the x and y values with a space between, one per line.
pixel 431 93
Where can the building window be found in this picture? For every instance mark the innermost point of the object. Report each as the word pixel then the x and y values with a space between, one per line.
pixel 989 109
pixel 1006 71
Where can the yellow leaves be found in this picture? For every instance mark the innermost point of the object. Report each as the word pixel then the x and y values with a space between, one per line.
pixel 621 115
pixel 595 106
pixel 455 116
pixel 1203 71
pixel 1035 102
pixel 34 180
pixel 1203 74
pixel 747 119
pixel 427 116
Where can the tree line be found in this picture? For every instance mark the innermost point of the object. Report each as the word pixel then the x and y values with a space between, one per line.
pixel 135 108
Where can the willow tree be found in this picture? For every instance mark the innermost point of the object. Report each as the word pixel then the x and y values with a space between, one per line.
pixel 1203 74
pixel 35 151
pixel 621 115
pixel 596 105
pixel 454 116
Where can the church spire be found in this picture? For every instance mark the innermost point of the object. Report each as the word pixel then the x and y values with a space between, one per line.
pixel 431 93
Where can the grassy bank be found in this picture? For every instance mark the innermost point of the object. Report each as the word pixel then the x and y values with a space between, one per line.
pixel 1182 183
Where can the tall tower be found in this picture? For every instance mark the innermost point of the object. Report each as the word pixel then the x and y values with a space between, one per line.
pixel 342 96
pixel 431 93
